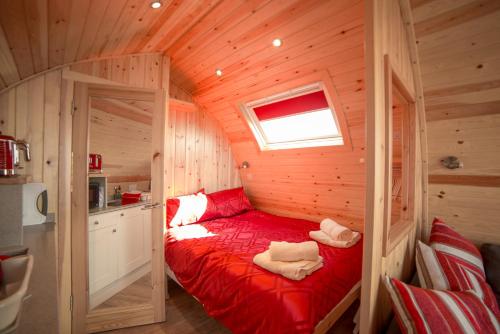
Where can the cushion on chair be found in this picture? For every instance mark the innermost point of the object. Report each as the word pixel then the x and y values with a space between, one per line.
pixel 445 239
pixel 421 310
pixel 440 271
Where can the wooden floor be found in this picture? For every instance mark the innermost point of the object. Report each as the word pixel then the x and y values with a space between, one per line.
pixel 139 292
pixel 186 316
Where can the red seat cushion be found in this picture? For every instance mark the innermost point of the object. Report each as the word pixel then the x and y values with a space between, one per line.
pixel 226 203
pixel 421 310
pixel 440 271
pixel 445 239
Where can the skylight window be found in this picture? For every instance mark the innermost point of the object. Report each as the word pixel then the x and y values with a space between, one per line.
pixel 298 118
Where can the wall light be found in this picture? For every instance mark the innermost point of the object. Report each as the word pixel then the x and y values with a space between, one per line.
pixel 245 165
pixel 277 42
pixel 155 4
pixel 218 72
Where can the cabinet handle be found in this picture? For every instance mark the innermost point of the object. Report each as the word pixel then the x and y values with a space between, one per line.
pixel 122 214
pixel 114 230
pixel 96 223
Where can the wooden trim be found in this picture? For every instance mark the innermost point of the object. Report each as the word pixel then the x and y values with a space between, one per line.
pixel 127 178
pixel 461 110
pixel 462 89
pixel 112 318
pixel 122 93
pixel 63 249
pixel 67 65
pixel 466 180
pixel 18 179
pixel 180 105
pixel 324 325
pixel 79 207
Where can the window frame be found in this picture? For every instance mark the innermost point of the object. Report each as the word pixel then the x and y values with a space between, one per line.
pixel 254 123
pixel 393 234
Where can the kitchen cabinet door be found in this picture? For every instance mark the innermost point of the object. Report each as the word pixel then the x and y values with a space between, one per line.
pixel 103 257
pixel 132 240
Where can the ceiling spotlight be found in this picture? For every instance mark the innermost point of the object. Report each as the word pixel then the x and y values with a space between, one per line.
pixel 277 42
pixel 155 4
pixel 218 72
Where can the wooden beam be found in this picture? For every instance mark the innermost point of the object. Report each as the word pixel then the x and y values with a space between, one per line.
pixel 109 106
pixel 180 105
pixel 466 180
pixel 461 110
pixel 457 16
pixel 462 89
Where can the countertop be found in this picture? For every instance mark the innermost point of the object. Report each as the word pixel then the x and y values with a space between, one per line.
pixel 98 211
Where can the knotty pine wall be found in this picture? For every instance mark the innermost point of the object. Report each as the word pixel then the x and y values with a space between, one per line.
pixel 461 78
pixel 201 151
pixel 389 32
pixel 321 40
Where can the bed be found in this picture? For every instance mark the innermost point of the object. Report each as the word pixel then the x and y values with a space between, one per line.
pixel 212 261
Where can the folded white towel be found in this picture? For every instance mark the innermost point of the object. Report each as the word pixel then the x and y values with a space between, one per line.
pixel 293 270
pixel 322 237
pixel 335 231
pixel 294 251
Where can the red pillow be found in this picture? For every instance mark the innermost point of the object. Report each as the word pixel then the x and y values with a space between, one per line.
pixel 173 206
pixel 445 239
pixel 430 311
pixel 226 203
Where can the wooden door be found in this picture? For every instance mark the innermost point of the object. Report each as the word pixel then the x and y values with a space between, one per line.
pixel 148 222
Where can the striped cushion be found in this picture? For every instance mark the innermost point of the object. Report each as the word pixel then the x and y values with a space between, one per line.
pixel 440 271
pixel 443 238
pixel 430 311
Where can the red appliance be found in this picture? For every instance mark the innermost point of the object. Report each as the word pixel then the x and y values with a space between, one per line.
pixel 130 198
pixel 95 163
pixel 9 154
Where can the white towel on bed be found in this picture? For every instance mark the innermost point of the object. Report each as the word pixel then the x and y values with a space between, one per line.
pixel 293 270
pixel 336 231
pixel 294 251
pixel 325 239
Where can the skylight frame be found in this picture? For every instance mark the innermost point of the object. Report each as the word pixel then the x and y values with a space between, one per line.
pixel 260 136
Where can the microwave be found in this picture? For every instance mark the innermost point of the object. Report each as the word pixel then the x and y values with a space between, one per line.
pixel 96 195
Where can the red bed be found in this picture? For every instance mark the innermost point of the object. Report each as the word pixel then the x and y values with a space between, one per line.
pixel 213 262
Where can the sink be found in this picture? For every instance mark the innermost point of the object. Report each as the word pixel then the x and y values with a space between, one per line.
pixel 117 202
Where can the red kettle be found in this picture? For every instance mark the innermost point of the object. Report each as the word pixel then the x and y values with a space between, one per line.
pixel 9 154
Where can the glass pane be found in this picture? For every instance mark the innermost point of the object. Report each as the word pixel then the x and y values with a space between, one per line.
pixel 311 125
pixel 119 237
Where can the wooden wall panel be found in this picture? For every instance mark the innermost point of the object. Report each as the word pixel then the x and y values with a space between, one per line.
pixel 324 42
pixel 461 78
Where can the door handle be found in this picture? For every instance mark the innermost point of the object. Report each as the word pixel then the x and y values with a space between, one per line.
pixel 151 206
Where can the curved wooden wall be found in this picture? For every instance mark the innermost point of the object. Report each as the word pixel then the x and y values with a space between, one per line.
pixel 459 50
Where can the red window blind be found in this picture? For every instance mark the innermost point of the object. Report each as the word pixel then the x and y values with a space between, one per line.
pixel 292 106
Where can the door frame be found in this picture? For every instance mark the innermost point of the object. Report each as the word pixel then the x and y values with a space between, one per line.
pixel 130 315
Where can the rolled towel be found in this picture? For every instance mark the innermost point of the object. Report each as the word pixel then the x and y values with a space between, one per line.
pixel 292 270
pixel 322 237
pixel 294 251
pixel 336 231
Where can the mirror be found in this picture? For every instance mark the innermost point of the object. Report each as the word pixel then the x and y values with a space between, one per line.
pixel 119 226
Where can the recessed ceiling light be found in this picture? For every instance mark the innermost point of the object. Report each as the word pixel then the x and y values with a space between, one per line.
pixel 156 4
pixel 218 72
pixel 277 42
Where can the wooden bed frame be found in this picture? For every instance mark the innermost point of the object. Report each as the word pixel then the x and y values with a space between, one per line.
pixel 325 324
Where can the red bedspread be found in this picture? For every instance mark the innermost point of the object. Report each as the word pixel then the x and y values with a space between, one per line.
pixel 213 261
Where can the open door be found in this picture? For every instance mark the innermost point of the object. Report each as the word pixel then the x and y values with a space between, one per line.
pixel 117 248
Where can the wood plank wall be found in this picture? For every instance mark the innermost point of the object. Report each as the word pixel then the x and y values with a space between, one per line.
pixel 321 39
pixel 389 32
pixel 460 61
pixel 30 111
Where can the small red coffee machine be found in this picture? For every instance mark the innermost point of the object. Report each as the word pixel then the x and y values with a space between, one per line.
pixel 95 163
pixel 9 154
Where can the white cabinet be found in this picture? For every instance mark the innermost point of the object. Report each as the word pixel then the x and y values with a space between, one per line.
pixel 134 239
pixel 119 243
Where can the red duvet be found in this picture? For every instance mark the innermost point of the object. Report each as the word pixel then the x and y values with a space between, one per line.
pixel 213 262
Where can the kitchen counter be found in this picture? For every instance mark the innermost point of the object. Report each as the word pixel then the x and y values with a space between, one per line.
pixel 97 211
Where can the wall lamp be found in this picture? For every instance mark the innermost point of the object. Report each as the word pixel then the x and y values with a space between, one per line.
pixel 245 165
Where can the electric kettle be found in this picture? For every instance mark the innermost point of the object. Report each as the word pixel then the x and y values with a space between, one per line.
pixel 9 154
